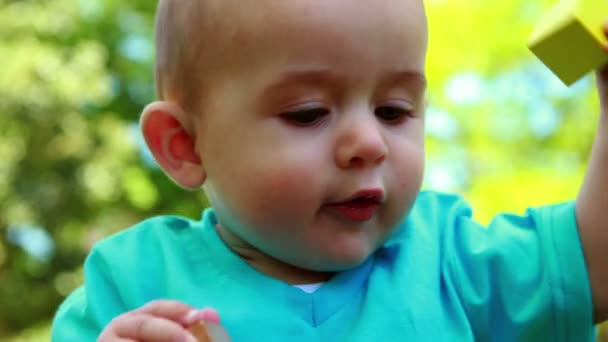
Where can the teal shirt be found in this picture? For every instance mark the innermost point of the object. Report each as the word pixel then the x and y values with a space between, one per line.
pixel 440 277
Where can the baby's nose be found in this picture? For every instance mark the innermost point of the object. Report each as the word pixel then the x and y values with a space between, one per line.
pixel 361 144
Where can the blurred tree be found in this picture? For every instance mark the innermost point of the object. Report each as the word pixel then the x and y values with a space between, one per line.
pixel 74 76
pixel 76 73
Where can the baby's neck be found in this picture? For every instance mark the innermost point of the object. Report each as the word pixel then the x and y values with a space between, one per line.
pixel 276 269
pixel 268 265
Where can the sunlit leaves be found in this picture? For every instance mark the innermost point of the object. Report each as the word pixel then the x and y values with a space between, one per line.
pixel 513 129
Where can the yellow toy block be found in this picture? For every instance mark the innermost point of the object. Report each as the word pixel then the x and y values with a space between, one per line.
pixel 568 38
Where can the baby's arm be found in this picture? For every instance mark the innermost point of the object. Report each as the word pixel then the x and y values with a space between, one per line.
pixel 592 208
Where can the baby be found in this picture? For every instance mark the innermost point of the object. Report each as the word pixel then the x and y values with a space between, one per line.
pixel 304 123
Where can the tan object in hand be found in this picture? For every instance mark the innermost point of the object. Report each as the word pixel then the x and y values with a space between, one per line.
pixel 209 332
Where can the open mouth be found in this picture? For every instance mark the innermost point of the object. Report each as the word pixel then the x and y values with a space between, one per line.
pixel 360 207
pixel 364 200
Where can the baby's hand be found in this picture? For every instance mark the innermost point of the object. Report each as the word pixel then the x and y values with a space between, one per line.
pixel 602 80
pixel 160 320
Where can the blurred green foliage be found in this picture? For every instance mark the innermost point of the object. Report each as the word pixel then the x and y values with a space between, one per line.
pixel 76 73
pixel 73 78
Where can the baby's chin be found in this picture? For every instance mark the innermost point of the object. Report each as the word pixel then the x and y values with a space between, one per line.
pixel 336 264
pixel 347 259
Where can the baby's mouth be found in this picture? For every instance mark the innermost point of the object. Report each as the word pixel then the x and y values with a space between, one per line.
pixel 360 207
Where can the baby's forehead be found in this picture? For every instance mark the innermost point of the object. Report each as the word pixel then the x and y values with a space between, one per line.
pixel 200 40
pixel 225 16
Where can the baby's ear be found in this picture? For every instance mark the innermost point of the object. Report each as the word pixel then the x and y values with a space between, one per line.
pixel 169 137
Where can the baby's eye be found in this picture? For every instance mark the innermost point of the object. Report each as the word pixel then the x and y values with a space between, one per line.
pixel 394 114
pixel 305 117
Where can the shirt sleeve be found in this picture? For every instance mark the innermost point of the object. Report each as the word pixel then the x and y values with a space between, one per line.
pixel 84 314
pixel 522 276
pixel 122 273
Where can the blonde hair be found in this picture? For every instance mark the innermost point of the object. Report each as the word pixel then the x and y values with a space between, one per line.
pixel 185 48
pixel 174 51
pixel 196 41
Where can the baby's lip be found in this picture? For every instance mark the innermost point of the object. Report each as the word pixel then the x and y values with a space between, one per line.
pixel 359 207
pixel 368 195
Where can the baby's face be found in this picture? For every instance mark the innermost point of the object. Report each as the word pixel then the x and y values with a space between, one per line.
pixel 313 146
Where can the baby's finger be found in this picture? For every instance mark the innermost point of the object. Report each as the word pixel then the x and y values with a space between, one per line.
pixel 144 327
pixel 168 309
pixel 205 314
pixel 115 339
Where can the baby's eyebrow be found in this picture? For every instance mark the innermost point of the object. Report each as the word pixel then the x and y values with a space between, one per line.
pixel 328 77
pixel 407 78
pixel 414 81
pixel 323 77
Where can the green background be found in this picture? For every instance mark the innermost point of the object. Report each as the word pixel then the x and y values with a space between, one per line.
pixel 75 74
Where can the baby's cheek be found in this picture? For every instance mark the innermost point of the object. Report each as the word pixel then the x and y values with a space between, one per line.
pixel 405 184
pixel 289 189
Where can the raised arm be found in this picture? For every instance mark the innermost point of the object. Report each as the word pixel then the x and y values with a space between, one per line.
pixel 592 209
